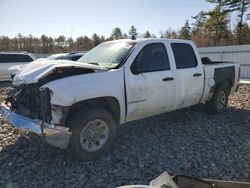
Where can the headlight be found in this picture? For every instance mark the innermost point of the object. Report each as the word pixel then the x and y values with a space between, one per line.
pixel 17 82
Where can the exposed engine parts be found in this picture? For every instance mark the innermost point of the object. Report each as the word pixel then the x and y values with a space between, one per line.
pixel 30 102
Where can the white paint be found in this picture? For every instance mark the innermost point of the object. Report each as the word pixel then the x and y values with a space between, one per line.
pixel 5 67
pixel 147 94
pixel 156 96
pixel 39 69
pixel 70 90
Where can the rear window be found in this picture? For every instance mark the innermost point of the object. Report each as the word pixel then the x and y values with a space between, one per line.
pixel 14 58
pixel 75 58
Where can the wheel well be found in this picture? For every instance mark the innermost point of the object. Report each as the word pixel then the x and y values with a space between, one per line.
pixel 110 103
pixel 227 83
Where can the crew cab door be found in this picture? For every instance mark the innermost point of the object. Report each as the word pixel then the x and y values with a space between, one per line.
pixel 150 84
pixel 190 71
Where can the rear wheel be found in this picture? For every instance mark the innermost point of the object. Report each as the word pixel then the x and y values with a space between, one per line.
pixel 218 102
pixel 93 132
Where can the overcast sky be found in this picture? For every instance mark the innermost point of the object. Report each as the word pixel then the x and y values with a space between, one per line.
pixel 85 17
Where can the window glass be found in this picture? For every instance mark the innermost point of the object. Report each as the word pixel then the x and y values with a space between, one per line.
pixel 108 54
pixel 13 58
pixel 3 58
pixel 64 58
pixel 184 55
pixel 8 58
pixel 25 58
pixel 152 57
pixel 75 58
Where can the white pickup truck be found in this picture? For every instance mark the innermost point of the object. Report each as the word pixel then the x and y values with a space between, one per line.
pixel 79 105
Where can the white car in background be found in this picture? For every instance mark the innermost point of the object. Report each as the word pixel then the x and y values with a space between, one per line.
pixel 73 56
pixel 9 59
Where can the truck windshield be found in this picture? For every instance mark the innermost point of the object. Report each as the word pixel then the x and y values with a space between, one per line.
pixel 108 55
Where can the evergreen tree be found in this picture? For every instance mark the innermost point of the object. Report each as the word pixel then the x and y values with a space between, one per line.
pixel 125 36
pixel 70 43
pixel 220 10
pixel 51 45
pixel 84 43
pixel 95 39
pixel 133 32
pixel 60 42
pixel 170 34
pixel 200 19
pixel 245 34
pixel 20 41
pixel 216 25
pixel 185 32
pixel 116 33
pixel 45 45
pixel 241 7
pixel 102 39
pixel 147 34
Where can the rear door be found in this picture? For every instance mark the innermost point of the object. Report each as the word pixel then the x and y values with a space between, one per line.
pixel 190 72
pixel 152 90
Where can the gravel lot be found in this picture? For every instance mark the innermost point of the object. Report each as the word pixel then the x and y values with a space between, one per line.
pixel 188 141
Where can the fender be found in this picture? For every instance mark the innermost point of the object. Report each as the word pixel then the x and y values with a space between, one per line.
pixel 71 90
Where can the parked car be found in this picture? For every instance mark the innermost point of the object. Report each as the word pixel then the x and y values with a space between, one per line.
pixel 9 59
pixel 79 105
pixel 73 56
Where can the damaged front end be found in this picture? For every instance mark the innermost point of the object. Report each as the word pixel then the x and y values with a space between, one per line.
pixel 30 102
pixel 29 108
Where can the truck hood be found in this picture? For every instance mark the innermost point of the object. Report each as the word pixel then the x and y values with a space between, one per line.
pixel 36 70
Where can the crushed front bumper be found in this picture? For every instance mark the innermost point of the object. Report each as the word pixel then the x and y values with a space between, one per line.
pixel 55 135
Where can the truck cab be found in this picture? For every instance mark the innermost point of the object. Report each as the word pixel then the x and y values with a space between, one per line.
pixel 162 76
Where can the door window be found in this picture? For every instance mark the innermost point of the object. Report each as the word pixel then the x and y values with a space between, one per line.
pixel 14 58
pixel 152 57
pixel 25 58
pixel 184 55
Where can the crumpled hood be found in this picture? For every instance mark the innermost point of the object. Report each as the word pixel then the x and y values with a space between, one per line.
pixel 35 70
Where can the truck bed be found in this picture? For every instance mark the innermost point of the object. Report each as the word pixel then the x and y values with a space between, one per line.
pixel 216 72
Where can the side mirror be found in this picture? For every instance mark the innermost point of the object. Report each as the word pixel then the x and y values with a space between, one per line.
pixel 134 69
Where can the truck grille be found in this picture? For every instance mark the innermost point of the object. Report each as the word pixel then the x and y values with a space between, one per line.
pixel 28 101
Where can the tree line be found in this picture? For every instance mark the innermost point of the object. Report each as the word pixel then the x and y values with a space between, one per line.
pixel 48 45
pixel 209 28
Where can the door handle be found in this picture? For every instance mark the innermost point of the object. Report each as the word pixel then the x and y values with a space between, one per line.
pixel 197 74
pixel 168 79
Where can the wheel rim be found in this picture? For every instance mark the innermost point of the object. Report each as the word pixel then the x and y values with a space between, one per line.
pixel 221 100
pixel 94 135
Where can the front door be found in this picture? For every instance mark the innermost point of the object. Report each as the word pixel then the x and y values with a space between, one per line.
pixel 151 90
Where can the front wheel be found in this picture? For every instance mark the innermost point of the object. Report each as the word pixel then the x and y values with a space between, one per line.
pixel 93 132
pixel 218 102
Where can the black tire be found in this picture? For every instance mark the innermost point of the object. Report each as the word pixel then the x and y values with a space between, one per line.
pixel 217 105
pixel 80 123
